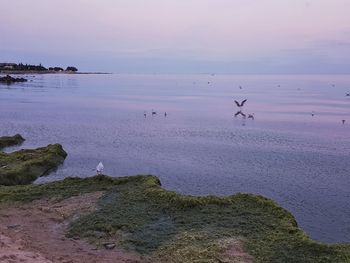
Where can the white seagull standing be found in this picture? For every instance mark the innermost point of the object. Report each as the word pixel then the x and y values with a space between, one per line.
pixel 99 168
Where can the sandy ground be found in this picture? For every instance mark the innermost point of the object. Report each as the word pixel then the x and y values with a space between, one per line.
pixel 35 233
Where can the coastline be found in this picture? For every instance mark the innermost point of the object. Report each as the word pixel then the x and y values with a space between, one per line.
pixel 37 72
pixel 135 217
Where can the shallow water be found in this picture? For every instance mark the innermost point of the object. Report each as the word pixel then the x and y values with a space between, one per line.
pixel 299 160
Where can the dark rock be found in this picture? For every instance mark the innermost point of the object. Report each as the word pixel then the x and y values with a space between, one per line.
pixel 7 141
pixel 8 79
pixel 12 226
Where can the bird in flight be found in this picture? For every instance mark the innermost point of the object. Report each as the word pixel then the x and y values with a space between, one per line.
pixel 240 105
pixel 240 113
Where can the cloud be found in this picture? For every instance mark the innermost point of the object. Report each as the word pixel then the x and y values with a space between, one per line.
pixel 229 36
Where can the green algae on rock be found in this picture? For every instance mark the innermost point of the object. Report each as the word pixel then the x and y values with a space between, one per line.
pixel 24 166
pixel 7 141
pixel 137 214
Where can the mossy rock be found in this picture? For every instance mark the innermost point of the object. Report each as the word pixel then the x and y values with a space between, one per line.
pixel 24 166
pixel 139 215
pixel 7 141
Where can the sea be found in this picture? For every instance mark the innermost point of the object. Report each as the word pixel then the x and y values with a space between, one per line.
pixel 290 141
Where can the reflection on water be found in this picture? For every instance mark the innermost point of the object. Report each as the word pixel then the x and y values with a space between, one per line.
pixel 295 150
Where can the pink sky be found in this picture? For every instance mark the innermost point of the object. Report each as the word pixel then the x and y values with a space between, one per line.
pixel 237 34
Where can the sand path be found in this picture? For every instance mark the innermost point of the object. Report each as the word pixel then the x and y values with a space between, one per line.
pixel 36 233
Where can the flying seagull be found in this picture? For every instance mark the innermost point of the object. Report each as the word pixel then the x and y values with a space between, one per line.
pixel 99 168
pixel 251 116
pixel 240 113
pixel 240 105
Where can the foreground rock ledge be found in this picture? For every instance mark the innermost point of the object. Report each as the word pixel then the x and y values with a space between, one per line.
pixel 24 166
pixel 142 218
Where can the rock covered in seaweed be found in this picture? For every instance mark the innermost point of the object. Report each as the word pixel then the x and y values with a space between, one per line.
pixel 7 141
pixel 136 214
pixel 24 166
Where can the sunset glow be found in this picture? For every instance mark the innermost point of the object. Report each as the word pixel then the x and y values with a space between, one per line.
pixel 232 36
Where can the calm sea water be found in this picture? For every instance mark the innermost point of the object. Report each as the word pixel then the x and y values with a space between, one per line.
pixel 299 160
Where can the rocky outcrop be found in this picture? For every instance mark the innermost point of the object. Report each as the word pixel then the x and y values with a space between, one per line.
pixel 7 141
pixel 9 80
pixel 24 166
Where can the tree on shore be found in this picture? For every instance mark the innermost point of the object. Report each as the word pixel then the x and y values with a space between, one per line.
pixel 21 66
pixel 28 67
pixel 74 69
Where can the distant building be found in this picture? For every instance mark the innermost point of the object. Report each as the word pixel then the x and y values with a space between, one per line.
pixel 56 69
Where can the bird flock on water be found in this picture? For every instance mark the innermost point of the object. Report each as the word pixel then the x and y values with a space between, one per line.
pixel 240 105
pixel 153 113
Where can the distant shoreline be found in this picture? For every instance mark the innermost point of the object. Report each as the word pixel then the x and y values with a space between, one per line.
pixel 23 72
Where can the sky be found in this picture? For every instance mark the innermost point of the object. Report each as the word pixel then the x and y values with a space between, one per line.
pixel 179 36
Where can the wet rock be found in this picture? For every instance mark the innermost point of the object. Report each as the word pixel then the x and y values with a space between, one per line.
pixel 9 80
pixel 24 166
pixel 7 141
